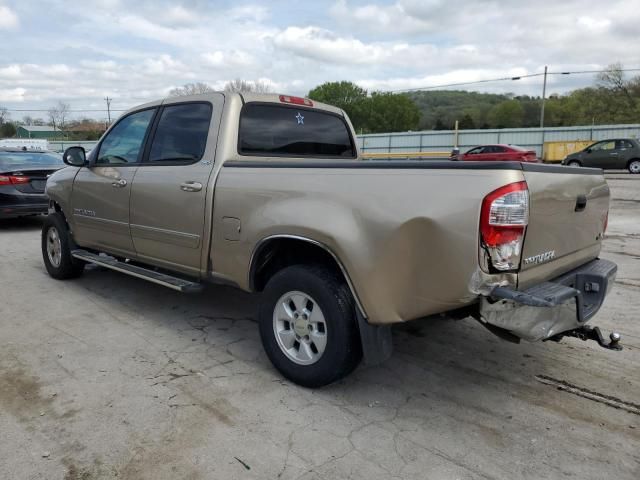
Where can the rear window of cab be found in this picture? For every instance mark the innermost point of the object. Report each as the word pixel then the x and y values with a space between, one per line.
pixel 286 131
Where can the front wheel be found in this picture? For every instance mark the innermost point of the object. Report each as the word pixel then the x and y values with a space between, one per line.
pixel 634 166
pixel 574 163
pixel 56 249
pixel 308 326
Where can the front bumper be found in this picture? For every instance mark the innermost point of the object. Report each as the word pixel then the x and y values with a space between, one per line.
pixel 553 307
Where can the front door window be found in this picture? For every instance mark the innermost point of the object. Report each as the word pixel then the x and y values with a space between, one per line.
pixel 123 144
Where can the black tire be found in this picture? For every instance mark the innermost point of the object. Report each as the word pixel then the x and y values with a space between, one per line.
pixel 634 166
pixel 67 266
pixel 574 163
pixel 343 350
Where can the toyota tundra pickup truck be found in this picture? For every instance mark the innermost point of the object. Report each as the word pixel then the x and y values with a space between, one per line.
pixel 268 193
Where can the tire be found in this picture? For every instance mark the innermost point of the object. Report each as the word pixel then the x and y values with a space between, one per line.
pixel 574 163
pixel 57 259
pixel 331 350
pixel 634 166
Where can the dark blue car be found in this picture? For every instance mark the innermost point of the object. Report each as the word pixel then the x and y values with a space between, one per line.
pixel 23 177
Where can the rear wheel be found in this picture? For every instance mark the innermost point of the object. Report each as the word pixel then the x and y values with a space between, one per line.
pixel 574 163
pixel 308 326
pixel 634 166
pixel 56 250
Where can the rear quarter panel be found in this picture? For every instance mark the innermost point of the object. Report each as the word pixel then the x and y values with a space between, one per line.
pixel 407 238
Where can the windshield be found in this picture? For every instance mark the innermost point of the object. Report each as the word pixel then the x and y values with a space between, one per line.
pixel 11 161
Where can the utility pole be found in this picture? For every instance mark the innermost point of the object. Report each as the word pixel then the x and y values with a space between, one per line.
pixel 544 93
pixel 108 100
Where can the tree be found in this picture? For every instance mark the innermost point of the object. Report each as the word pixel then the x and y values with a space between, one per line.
pixel 4 113
pixel 241 86
pixel 7 130
pixel 388 112
pixel 507 114
pixel 27 120
pixel 58 115
pixel 345 95
pixel 339 94
pixel 191 89
pixel 466 122
pixel 439 124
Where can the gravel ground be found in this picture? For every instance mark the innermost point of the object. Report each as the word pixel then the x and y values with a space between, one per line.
pixel 108 376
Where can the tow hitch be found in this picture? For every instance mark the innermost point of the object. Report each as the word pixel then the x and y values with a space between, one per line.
pixel 586 332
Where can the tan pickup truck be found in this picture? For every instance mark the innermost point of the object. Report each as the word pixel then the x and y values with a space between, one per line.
pixel 268 193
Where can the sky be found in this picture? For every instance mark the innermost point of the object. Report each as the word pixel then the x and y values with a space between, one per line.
pixel 81 51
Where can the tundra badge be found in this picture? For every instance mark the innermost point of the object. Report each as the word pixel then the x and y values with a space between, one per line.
pixel 540 258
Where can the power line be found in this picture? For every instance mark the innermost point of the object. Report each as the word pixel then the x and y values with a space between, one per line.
pixel 108 110
pixel 502 79
pixel 71 110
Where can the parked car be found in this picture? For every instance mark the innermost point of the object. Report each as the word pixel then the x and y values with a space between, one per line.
pixel 268 193
pixel 23 176
pixel 621 153
pixel 503 152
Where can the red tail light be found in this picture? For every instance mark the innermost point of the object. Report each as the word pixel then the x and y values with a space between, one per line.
pixel 13 180
pixel 296 100
pixel 503 221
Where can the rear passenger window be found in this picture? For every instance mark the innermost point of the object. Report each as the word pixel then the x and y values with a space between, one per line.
pixel 181 135
pixel 274 130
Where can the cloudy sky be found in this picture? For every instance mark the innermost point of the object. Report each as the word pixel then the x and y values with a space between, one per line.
pixel 81 51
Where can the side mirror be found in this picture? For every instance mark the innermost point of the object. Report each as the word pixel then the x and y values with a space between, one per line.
pixel 588 150
pixel 75 156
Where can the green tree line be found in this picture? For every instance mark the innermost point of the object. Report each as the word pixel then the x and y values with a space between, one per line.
pixel 612 100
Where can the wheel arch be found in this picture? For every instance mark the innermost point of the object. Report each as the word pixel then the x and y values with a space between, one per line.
pixel 275 252
pixel 634 159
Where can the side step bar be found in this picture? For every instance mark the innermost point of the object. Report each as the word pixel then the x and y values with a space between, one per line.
pixel 175 283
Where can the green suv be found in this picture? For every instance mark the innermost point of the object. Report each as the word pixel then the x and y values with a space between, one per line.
pixel 614 154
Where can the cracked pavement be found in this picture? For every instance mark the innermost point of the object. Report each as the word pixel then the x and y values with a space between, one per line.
pixel 108 377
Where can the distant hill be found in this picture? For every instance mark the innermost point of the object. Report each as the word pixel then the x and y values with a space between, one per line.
pixel 602 104
pixel 440 109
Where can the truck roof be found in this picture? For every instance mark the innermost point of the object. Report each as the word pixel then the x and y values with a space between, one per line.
pixel 275 98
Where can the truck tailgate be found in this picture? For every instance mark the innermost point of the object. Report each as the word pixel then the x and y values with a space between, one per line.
pixel 568 212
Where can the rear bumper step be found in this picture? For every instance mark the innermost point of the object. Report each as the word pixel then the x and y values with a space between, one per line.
pixel 169 281
pixel 551 308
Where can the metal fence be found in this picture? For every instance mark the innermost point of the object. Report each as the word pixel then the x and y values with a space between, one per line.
pixel 62 145
pixel 444 140
pixel 533 138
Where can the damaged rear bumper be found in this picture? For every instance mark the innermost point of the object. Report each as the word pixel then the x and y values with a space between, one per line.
pixel 550 308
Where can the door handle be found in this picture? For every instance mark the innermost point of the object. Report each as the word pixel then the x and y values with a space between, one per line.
pixel 191 187
pixel 119 184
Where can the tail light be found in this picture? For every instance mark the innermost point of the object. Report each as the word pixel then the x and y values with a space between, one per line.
pixel 13 180
pixel 296 100
pixel 503 221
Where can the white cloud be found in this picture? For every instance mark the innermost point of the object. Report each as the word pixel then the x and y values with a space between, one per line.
pixel 8 19
pixel 137 51
pixel 12 94
pixel 594 24
pixel 324 45
pixel 233 58
pixel 386 18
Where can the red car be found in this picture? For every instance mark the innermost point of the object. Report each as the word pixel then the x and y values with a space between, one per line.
pixel 511 153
